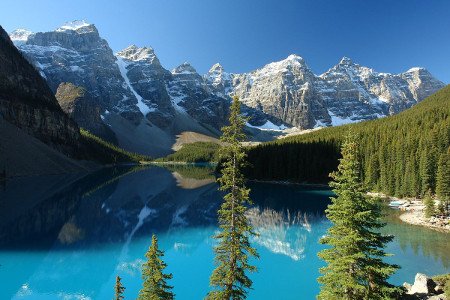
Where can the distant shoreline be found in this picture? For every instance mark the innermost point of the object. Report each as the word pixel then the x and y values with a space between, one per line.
pixel 181 163
pixel 287 182
pixel 414 213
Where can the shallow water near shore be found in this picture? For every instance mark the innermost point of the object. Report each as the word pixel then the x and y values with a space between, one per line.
pixel 67 237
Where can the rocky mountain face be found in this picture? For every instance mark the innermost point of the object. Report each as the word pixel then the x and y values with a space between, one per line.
pixel 348 92
pixel 78 55
pixel 28 103
pixel 79 104
pixel 145 105
pixel 283 90
pixel 190 94
pixel 353 92
pixel 147 79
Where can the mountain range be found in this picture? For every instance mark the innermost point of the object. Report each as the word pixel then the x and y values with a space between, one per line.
pixel 130 99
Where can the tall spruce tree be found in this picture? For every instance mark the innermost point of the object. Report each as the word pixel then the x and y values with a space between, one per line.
pixel 443 180
pixel 355 267
pixel 155 285
pixel 229 280
pixel 118 289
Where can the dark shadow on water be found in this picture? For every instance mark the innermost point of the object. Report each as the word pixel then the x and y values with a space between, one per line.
pixel 108 206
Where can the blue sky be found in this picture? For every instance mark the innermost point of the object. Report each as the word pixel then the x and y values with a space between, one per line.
pixel 389 36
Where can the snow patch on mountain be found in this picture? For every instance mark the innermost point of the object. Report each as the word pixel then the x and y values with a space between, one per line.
pixel 415 69
pixel 144 108
pixel 47 50
pixel 176 97
pixel 268 126
pixel 337 120
pixel 73 25
pixel 320 124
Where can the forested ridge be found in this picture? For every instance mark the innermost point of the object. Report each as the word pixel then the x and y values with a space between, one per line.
pixel 400 155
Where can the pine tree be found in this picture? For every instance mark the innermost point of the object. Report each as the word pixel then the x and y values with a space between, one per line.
pixel 229 280
pixel 443 180
pixel 430 209
pixel 355 267
pixel 119 289
pixel 155 285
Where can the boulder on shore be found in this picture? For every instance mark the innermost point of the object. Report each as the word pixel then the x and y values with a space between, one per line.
pixel 424 287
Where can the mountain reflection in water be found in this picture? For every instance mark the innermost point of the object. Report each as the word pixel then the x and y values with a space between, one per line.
pixel 68 236
pixel 285 232
pixel 110 205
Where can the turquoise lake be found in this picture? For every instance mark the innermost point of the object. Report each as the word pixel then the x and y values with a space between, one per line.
pixel 67 237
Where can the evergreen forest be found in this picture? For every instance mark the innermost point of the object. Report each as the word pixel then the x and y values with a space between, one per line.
pixel 399 155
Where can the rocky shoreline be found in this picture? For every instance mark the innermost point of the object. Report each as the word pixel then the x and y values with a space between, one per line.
pixel 417 217
pixel 414 213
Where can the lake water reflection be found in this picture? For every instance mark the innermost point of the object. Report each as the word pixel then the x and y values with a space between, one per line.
pixel 67 237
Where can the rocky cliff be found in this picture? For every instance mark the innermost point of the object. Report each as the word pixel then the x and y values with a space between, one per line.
pixel 348 92
pixel 36 136
pixel 28 103
pixel 79 104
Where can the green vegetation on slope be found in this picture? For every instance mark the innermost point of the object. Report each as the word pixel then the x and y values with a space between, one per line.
pixel 399 154
pixel 194 153
pixel 104 152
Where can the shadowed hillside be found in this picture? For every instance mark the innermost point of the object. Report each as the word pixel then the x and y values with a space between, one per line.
pixel 36 135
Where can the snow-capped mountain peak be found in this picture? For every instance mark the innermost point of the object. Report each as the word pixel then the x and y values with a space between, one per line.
pixel 20 36
pixel 184 68
pixel 135 53
pixel 292 59
pixel 75 25
pixel 217 75
pixel 295 58
pixel 416 69
pixel 216 68
pixel 345 61
pixel 219 80
pixel 353 71
pixel 292 64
